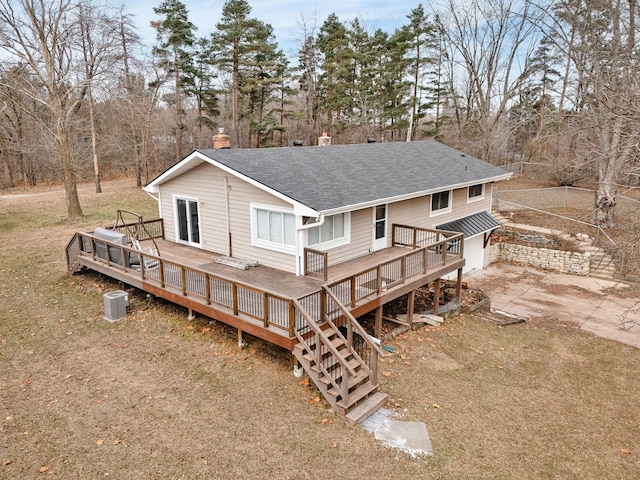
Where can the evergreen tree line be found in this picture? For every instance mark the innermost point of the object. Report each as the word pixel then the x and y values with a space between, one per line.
pixel 505 80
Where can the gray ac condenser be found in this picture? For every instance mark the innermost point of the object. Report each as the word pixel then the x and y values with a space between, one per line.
pixel 115 305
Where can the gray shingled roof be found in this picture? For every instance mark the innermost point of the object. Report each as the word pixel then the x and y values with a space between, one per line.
pixel 338 176
pixel 471 225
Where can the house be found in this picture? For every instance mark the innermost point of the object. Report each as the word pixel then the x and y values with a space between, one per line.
pixel 269 205
pixel 293 245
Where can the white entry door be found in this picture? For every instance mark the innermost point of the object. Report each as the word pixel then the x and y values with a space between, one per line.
pixel 379 227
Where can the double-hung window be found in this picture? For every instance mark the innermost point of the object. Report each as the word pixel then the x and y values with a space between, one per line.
pixel 334 229
pixel 475 192
pixel 274 229
pixel 441 202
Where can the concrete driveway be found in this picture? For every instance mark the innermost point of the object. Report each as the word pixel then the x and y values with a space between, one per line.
pixel 609 309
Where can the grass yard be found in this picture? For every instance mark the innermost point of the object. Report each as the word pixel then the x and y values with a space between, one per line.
pixel 156 396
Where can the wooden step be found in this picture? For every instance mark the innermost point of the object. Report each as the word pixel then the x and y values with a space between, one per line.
pixel 337 373
pixel 354 397
pixel 366 408
pixel 352 382
pixel 333 368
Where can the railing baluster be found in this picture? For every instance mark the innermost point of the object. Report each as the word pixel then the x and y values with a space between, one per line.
pixel 234 296
pixel 265 309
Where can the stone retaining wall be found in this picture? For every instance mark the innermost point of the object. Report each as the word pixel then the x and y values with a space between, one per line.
pixel 574 263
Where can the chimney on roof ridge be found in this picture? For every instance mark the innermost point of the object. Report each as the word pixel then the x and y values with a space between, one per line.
pixel 221 140
pixel 324 140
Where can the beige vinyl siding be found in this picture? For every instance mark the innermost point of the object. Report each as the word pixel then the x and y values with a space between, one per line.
pixel 461 208
pixel 416 212
pixel 199 183
pixel 206 184
pixel 241 196
pixel 361 234
pixel 413 212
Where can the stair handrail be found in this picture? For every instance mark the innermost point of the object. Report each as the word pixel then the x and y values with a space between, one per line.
pixel 322 336
pixel 361 331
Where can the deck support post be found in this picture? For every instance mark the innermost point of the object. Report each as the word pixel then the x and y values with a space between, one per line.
pixel 191 315
pixel 411 298
pixel 436 296
pixel 459 288
pixel 241 342
pixel 377 329
pixel 297 368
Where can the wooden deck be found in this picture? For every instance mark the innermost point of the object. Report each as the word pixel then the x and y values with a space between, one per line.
pixel 266 302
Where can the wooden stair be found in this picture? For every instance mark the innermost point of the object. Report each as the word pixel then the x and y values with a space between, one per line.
pixel 341 375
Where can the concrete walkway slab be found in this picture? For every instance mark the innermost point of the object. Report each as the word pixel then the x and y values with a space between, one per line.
pixel 410 437
pixel 607 308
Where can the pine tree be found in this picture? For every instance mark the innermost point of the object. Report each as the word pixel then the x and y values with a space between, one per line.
pixel 420 40
pixel 335 79
pixel 176 36
pixel 232 42
pixel 204 90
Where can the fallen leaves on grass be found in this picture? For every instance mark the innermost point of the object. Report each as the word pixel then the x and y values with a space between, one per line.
pixel 304 382
pixel 100 441
pixel 625 451
pixel 314 400
pixel 386 374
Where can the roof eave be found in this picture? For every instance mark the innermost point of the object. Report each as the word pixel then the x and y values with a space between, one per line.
pixel 410 196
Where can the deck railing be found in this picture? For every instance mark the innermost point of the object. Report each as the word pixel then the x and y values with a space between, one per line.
pixel 375 280
pixel 316 263
pixel 322 307
pixel 270 308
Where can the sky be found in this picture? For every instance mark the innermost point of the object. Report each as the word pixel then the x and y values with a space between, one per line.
pixel 285 16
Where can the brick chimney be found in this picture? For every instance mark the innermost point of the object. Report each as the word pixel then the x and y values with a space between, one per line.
pixel 324 140
pixel 221 140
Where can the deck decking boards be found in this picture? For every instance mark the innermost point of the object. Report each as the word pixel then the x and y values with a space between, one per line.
pixel 264 293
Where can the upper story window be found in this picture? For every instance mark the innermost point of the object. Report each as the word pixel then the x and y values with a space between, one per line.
pixel 334 229
pixel 273 229
pixel 441 202
pixel 475 192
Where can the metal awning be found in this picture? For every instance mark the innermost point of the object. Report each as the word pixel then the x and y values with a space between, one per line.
pixel 472 225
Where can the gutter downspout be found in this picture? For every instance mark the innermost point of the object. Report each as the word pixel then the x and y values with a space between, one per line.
pixel 300 252
pixel 227 215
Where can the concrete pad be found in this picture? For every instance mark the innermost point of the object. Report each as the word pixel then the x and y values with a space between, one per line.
pixel 595 305
pixel 410 437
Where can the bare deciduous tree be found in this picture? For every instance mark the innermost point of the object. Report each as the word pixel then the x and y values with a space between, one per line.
pixel 491 43
pixel 43 36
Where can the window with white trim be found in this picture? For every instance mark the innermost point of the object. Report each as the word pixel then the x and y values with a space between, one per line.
pixel 274 229
pixel 441 202
pixel 475 192
pixel 333 229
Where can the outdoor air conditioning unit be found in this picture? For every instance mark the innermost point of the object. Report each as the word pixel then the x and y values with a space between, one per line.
pixel 115 305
